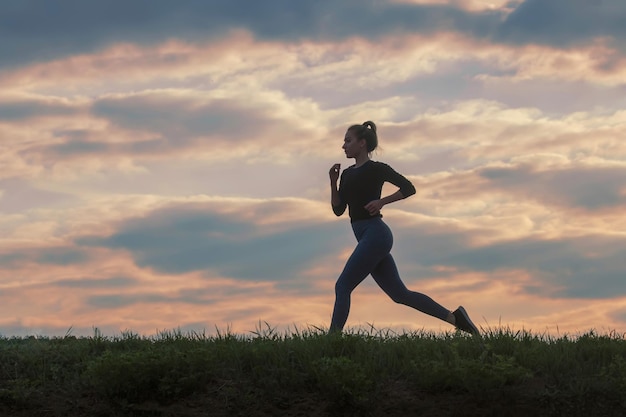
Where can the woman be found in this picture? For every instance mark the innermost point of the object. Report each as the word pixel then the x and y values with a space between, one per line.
pixel 360 191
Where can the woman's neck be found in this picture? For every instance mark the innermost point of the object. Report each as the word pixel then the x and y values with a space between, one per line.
pixel 360 160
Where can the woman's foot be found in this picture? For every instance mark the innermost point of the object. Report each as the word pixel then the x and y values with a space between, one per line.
pixel 463 322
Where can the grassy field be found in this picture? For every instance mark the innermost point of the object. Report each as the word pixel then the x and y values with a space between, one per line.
pixel 309 373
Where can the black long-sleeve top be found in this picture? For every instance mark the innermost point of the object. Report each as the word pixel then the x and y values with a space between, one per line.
pixel 360 185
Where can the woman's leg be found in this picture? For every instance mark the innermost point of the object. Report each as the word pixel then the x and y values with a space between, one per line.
pixel 357 268
pixel 386 276
pixel 374 244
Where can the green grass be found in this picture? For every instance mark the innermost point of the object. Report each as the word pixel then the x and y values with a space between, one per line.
pixel 362 372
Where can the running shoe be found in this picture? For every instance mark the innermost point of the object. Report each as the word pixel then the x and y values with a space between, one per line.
pixel 463 322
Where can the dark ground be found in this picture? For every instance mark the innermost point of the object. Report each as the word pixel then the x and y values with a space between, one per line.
pixel 396 400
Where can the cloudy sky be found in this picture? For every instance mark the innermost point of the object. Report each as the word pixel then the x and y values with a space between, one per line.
pixel 165 164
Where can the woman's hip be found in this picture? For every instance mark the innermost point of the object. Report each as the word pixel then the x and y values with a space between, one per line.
pixel 373 231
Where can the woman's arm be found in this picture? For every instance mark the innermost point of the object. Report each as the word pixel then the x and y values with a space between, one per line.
pixel 374 207
pixel 392 197
pixel 406 189
pixel 335 199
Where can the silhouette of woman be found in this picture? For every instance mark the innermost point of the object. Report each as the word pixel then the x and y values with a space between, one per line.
pixel 360 190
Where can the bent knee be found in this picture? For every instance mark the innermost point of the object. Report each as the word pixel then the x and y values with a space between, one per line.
pixel 342 290
pixel 400 298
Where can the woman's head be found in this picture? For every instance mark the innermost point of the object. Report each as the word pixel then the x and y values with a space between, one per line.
pixel 366 132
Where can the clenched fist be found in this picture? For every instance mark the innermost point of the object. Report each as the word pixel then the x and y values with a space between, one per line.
pixel 334 172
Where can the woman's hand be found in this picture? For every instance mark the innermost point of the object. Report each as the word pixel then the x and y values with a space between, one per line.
pixel 374 206
pixel 334 173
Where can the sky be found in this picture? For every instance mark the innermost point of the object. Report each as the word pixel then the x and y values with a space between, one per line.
pixel 164 165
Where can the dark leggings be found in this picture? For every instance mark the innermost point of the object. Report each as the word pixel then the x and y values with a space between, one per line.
pixel 371 256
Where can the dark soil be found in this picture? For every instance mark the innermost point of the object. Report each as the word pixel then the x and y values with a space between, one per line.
pixel 397 399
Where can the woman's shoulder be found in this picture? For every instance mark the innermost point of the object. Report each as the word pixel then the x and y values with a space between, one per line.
pixel 380 165
pixel 369 166
pixel 377 164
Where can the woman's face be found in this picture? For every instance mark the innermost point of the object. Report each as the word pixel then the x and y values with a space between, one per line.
pixel 352 146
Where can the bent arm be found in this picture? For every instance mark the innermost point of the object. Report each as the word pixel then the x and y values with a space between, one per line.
pixel 374 207
pixel 339 207
pixel 405 186
pixel 406 189
pixel 398 195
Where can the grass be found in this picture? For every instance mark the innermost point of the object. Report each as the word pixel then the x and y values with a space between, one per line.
pixel 308 372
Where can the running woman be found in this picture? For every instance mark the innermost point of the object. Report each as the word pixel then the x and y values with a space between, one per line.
pixel 360 190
